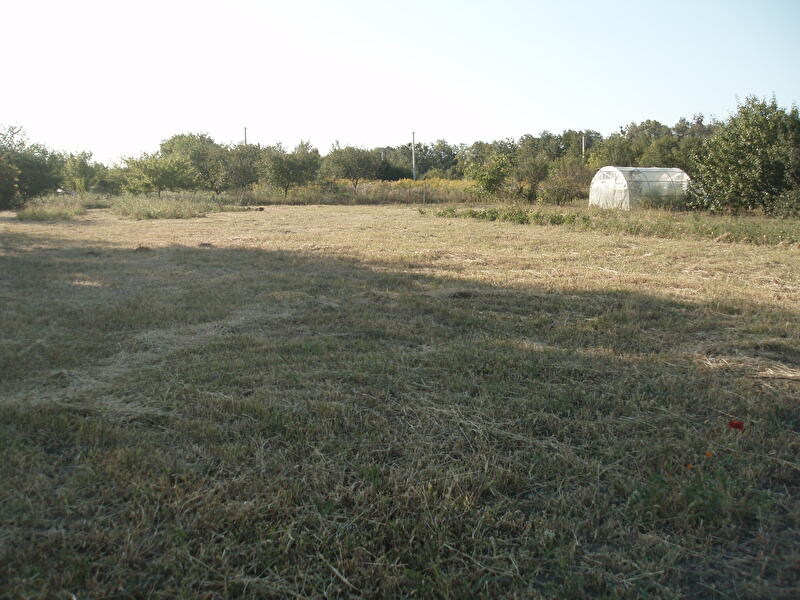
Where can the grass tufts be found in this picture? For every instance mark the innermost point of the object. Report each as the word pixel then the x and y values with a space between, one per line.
pixel 179 206
pixel 763 231
pixel 52 208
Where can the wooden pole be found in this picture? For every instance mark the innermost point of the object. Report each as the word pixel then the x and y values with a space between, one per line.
pixel 413 158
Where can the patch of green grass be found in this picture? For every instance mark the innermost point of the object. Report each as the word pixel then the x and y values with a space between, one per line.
pixel 97 201
pixel 168 206
pixel 647 223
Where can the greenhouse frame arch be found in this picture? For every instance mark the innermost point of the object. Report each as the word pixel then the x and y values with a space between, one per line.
pixel 625 188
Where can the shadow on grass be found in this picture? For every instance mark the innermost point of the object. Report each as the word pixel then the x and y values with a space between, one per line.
pixel 256 423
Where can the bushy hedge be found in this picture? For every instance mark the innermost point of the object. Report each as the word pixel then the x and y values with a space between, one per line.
pixel 752 162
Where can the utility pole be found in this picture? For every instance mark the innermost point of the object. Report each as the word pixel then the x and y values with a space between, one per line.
pixel 583 145
pixel 245 136
pixel 413 158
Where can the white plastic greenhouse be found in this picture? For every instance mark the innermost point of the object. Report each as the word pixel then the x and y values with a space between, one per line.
pixel 637 187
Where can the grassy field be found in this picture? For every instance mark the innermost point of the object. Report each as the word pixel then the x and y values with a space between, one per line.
pixel 353 401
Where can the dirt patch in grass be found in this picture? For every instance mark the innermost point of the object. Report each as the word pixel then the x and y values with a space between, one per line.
pixel 370 402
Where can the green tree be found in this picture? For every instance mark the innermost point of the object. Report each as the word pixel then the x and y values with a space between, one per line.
pixel 352 163
pixel 444 158
pixel 107 180
pixel 615 150
pixel 440 157
pixel 752 159
pixel 209 160
pixel 218 171
pixel 9 184
pixel 569 178
pixel 531 164
pixel 284 170
pixel 244 165
pixel 578 143
pixel 642 135
pixel 691 135
pixel 79 172
pixel 155 172
pixel 306 163
pixel 662 152
pixel 490 176
pixel 39 168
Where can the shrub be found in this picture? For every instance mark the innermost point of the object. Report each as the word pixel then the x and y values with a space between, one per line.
pixel 787 204
pixel 568 179
pixel 559 189
pixel 490 176
pixel 751 160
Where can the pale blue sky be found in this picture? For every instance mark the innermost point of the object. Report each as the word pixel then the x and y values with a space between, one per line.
pixel 118 77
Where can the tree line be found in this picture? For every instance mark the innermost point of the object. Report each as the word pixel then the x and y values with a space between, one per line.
pixel 750 161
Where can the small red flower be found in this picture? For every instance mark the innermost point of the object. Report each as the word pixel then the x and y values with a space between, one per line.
pixel 736 425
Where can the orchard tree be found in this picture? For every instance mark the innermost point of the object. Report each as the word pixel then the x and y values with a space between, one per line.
pixel 218 173
pixel 79 172
pixel 244 163
pixel 284 170
pixel 107 180
pixel 277 169
pixel 352 163
pixel 155 172
pixel 207 158
pixel 306 163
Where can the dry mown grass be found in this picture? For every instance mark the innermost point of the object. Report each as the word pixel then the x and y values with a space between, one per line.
pixel 369 402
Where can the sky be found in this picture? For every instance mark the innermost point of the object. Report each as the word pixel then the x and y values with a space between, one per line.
pixel 116 77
